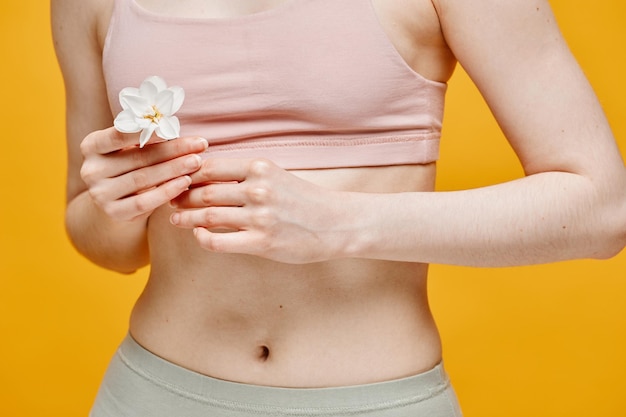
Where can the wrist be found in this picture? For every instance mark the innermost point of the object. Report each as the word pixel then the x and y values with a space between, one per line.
pixel 353 228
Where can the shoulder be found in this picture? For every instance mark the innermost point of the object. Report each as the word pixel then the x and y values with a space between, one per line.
pixel 80 21
pixel 503 32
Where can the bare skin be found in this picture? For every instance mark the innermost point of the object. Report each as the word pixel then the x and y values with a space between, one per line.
pixel 301 300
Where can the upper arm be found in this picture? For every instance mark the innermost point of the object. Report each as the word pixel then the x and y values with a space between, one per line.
pixel 77 29
pixel 518 59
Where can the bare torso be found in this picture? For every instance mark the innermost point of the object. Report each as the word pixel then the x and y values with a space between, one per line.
pixel 340 322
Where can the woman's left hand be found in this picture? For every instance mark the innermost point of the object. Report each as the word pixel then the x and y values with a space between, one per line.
pixel 251 206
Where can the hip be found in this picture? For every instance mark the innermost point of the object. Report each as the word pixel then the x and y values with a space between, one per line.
pixel 140 383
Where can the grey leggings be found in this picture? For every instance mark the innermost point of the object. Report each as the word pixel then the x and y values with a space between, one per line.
pixel 139 384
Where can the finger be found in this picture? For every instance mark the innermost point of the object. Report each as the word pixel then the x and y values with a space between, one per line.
pixel 146 178
pixel 107 140
pixel 215 194
pixel 212 218
pixel 154 175
pixel 97 166
pixel 227 170
pixel 237 242
pixel 137 205
pixel 154 153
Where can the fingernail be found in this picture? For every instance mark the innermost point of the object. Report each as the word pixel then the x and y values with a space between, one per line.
pixel 183 181
pixel 193 161
pixel 205 143
pixel 175 218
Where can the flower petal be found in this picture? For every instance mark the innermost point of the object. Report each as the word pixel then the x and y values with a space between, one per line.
pixel 137 104
pixel 169 128
pixel 142 122
pixel 158 82
pixel 128 91
pixel 125 122
pixel 146 134
pixel 179 97
pixel 148 90
pixel 164 101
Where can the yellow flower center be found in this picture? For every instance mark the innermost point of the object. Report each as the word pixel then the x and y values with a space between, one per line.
pixel 154 117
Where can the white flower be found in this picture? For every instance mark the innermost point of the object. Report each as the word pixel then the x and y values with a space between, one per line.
pixel 150 108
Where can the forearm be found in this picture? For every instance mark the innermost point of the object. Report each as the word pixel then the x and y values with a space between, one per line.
pixel 119 246
pixel 541 218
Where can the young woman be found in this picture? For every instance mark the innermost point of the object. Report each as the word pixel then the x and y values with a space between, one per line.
pixel 290 226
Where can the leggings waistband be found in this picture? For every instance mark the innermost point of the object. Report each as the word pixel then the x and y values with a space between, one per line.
pixel 220 393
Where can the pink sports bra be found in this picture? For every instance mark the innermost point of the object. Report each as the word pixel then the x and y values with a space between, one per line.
pixel 308 84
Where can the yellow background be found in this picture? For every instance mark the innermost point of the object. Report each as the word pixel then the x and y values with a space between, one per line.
pixel 532 341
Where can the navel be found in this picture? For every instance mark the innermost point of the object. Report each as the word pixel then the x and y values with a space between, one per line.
pixel 263 353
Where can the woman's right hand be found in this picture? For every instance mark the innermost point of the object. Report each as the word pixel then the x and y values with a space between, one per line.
pixel 127 182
